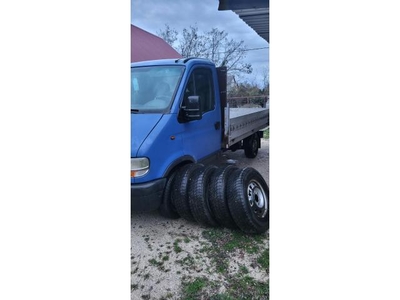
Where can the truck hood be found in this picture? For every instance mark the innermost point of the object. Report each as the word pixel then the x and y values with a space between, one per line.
pixel 141 126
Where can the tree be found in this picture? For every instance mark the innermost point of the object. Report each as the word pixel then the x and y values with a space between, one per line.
pixel 213 45
pixel 265 88
pixel 246 93
pixel 169 35
pixel 244 89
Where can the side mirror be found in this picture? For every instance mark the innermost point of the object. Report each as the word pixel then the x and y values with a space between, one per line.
pixel 192 109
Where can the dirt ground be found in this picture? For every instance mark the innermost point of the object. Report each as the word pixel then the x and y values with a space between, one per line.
pixel 177 259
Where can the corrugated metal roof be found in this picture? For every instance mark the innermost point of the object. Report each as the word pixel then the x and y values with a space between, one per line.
pixel 254 13
pixel 147 46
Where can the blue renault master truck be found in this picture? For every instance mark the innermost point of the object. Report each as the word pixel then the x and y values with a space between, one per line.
pixel 180 120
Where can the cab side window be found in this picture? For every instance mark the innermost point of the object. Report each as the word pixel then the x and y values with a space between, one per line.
pixel 201 84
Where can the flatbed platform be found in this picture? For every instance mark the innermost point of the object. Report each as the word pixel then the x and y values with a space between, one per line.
pixel 243 122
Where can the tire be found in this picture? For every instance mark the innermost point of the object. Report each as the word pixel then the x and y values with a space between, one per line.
pixel 218 196
pixel 180 190
pixel 198 193
pixel 251 146
pixel 167 208
pixel 248 196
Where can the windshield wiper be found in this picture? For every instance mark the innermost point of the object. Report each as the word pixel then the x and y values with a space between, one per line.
pixel 134 110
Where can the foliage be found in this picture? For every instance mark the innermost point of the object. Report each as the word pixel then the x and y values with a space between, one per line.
pixel 169 34
pixel 263 259
pixel 245 92
pixel 244 89
pixel 226 241
pixel 191 290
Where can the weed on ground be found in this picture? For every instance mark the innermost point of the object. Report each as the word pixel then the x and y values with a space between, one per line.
pixel 212 263
pixel 227 246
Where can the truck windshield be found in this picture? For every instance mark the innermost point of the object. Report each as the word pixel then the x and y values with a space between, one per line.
pixel 153 87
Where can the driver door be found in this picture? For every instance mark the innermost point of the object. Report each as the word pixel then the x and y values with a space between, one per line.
pixel 201 138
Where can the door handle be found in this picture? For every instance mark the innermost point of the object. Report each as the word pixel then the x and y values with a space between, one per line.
pixel 217 125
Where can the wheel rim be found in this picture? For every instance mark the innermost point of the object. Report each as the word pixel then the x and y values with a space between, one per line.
pixel 257 199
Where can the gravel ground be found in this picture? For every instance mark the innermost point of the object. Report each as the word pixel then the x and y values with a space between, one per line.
pixel 177 259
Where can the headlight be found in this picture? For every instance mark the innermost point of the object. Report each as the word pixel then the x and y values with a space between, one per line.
pixel 139 166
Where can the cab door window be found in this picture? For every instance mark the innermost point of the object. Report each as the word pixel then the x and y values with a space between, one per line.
pixel 201 84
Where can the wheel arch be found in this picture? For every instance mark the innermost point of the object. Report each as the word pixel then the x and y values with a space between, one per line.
pixel 186 159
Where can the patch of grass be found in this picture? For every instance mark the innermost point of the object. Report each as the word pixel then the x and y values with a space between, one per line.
pixel 158 264
pixel 213 234
pixel 220 246
pixel 231 240
pixel 216 251
pixel 263 259
pixel 165 258
pixel 247 288
pixel 134 287
pixel 187 261
pixel 249 243
pixel 153 262
pixel 243 270
pixel 192 290
pixel 222 297
pixel 226 241
pixel 177 248
pixel 222 266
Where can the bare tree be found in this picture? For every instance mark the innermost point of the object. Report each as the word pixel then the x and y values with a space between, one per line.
pixel 265 86
pixel 213 45
pixel 168 34
pixel 192 43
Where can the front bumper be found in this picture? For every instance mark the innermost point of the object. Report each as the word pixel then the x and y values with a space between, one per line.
pixel 147 196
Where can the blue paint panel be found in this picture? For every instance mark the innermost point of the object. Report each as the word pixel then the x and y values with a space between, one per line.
pixel 141 126
pixel 162 146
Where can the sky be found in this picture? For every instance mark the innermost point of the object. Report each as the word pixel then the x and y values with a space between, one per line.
pixel 178 14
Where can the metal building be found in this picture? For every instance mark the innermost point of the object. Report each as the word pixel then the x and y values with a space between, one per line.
pixel 254 13
pixel 147 46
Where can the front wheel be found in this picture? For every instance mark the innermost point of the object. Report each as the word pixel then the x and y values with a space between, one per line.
pixel 248 200
pixel 167 208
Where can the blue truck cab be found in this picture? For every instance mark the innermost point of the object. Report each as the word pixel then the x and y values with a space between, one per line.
pixel 176 118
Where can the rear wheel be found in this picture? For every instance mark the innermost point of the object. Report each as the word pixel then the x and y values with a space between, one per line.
pixel 248 195
pixel 180 190
pixel 251 146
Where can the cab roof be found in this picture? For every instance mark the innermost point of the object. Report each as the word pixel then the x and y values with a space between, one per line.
pixel 178 62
